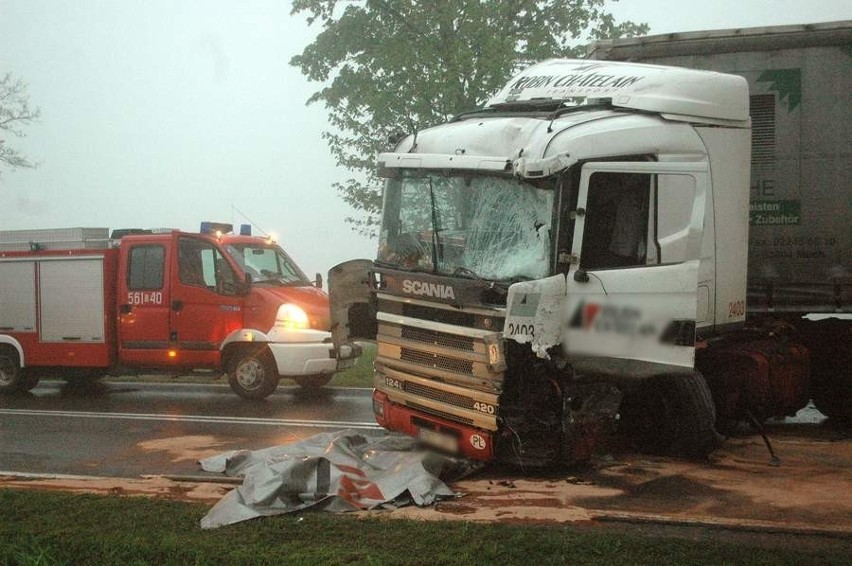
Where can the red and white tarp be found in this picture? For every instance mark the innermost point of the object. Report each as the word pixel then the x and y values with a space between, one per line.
pixel 338 471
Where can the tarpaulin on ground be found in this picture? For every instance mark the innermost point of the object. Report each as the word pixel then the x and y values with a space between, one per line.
pixel 337 471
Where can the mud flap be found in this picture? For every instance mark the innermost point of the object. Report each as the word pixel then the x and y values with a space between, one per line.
pixel 534 313
pixel 351 289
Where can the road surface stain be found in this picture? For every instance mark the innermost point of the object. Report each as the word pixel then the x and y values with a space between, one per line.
pixel 188 448
pixel 738 487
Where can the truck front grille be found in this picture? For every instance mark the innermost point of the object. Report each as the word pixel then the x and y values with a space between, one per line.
pixel 455 399
pixel 456 318
pixel 436 361
pixel 435 338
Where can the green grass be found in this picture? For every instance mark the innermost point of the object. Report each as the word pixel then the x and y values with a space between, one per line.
pixel 58 528
pixel 361 374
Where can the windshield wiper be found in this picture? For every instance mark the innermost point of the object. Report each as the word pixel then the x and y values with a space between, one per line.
pixel 462 271
pixel 389 265
pixel 516 279
pixel 278 279
pixel 271 280
pixel 434 227
pixel 468 273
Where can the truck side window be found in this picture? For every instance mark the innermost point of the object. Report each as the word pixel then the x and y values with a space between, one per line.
pixel 190 269
pixel 618 221
pixel 675 199
pixel 145 270
pixel 201 264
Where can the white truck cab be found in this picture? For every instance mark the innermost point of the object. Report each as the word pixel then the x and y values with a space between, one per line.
pixel 545 258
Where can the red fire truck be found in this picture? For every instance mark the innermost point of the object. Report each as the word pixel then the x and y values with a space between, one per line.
pixel 80 304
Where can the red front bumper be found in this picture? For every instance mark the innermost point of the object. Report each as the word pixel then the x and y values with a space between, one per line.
pixel 472 442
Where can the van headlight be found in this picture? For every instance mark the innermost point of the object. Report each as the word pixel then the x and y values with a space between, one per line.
pixel 291 317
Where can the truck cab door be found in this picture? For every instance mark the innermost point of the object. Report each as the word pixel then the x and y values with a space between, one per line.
pixel 206 301
pixel 143 303
pixel 352 293
pixel 633 283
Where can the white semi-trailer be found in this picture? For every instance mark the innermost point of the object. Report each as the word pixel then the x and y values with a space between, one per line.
pixel 576 253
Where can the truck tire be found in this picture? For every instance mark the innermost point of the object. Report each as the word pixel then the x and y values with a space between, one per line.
pixel 671 415
pixel 253 374
pixel 312 382
pixel 14 378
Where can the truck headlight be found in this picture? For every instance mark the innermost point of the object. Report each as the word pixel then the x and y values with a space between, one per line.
pixel 291 317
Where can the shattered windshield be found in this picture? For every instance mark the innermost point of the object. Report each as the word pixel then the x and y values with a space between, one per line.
pixel 473 225
pixel 267 263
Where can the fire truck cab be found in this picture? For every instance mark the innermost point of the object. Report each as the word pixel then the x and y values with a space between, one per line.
pixel 163 301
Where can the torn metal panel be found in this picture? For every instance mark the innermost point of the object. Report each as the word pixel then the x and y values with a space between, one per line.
pixel 589 413
pixel 353 312
pixel 339 471
pixel 537 168
pixel 534 313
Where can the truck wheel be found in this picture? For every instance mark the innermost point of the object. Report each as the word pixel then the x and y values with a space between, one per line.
pixel 312 382
pixel 671 415
pixel 254 374
pixel 13 378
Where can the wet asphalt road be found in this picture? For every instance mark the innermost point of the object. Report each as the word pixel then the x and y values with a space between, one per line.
pixel 131 429
pixel 125 429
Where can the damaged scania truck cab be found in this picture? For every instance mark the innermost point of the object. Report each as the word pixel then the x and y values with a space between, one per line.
pixel 547 265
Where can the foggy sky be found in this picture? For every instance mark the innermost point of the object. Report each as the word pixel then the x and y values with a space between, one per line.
pixel 166 113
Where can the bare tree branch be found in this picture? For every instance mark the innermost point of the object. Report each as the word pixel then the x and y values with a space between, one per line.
pixel 15 112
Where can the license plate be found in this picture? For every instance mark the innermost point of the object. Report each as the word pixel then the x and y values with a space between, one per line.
pixel 438 440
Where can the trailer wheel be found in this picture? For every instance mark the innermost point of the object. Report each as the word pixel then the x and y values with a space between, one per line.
pixel 253 375
pixel 671 415
pixel 312 382
pixel 13 378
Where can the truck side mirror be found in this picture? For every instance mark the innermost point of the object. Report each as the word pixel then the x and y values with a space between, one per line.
pixel 246 286
pixel 318 281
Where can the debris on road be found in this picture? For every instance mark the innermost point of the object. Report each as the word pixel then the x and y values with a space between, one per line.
pixel 737 488
pixel 339 471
